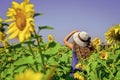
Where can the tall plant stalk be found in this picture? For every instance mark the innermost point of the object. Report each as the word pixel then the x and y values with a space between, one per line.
pixel 40 51
pixel 36 66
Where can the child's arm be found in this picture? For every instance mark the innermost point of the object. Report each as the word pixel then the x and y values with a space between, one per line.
pixel 70 45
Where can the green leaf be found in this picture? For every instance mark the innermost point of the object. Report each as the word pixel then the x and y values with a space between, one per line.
pixel 94 65
pixel 15 46
pixel 64 58
pixel 37 14
pixel 2 29
pixel 19 68
pixel 52 61
pixel 8 72
pixel 117 58
pixel 117 77
pixel 88 69
pixel 5 24
pixel 45 27
pixel 25 60
pixel 36 36
pixel 53 49
pixel 29 42
pixel 93 76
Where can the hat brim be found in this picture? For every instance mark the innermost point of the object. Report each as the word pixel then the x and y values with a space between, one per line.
pixel 78 41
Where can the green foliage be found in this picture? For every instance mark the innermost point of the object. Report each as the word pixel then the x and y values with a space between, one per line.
pixel 19 58
pixel 57 61
pixel 54 60
pixel 45 27
pixel 102 69
pixel 57 58
pixel 37 14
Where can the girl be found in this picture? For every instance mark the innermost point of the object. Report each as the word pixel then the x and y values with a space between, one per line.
pixel 81 46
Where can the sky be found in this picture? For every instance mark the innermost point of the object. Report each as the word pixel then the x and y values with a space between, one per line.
pixel 93 16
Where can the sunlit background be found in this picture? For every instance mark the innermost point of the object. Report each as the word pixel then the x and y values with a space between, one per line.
pixel 92 16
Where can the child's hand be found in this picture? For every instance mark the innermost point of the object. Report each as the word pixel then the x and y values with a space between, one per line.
pixel 74 31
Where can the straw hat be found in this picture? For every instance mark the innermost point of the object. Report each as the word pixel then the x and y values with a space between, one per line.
pixel 81 38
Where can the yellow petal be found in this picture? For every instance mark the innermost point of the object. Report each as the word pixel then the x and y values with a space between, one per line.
pixel 13 35
pixel 24 3
pixel 25 29
pixel 31 29
pixel 27 1
pixel 30 6
pixel 21 37
pixel 1 20
pixel 116 30
pixel 10 14
pixel 28 34
pixel 12 29
pixel 28 10
pixel 15 5
pixel 38 76
pixel 9 20
pixel 11 10
pixel 30 20
pixel 11 25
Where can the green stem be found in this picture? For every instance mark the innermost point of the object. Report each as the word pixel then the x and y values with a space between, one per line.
pixel 40 51
pixel 108 70
pixel 33 56
pixel 31 51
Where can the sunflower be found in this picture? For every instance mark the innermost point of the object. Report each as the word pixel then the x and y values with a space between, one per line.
pixel 50 38
pixel 103 55
pixel 1 20
pixel 2 36
pixel 29 75
pixel 22 22
pixel 112 36
pixel 78 76
pixel 3 39
pixel 96 41
pixel 79 65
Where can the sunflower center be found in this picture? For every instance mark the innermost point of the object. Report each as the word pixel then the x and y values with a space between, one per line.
pixel 103 55
pixel 117 37
pixel 20 19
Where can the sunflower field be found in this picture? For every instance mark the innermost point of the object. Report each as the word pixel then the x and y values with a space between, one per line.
pixel 34 59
